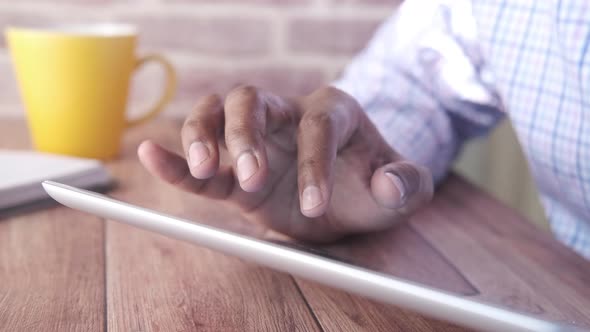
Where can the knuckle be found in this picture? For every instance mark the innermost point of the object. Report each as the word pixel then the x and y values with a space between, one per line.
pixel 307 163
pixel 247 94
pixel 206 107
pixel 238 133
pixel 208 102
pixel 202 113
pixel 191 127
pixel 196 130
pixel 237 130
pixel 334 95
pixel 324 120
pixel 329 91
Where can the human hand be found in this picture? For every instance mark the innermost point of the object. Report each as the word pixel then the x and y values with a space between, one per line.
pixel 314 168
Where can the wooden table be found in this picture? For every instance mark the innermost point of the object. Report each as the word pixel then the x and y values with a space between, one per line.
pixel 63 270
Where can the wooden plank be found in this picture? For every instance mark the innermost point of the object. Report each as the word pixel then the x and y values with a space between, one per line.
pixel 531 254
pixel 51 264
pixel 158 284
pixel 339 311
pixel 403 253
pixel 512 263
pixel 399 252
pixel 527 239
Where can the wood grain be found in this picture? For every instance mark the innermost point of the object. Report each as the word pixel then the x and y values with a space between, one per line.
pixel 57 273
pixel 51 264
pixel 432 250
pixel 510 262
pixel 400 252
pixel 158 284
pixel 404 253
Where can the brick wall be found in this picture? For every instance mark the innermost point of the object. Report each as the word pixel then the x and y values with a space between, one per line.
pixel 287 46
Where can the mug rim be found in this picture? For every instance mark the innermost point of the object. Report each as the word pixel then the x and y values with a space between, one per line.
pixel 107 29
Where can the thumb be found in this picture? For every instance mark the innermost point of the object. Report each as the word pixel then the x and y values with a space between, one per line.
pixel 402 186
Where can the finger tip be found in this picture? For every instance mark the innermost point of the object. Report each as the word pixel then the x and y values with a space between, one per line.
pixel 144 150
pixel 143 146
pixel 385 192
pixel 147 147
pixel 203 172
pixel 255 182
pixel 154 158
pixel 315 212
pixel 313 201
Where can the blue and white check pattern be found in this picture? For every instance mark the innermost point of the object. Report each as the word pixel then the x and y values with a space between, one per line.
pixel 440 72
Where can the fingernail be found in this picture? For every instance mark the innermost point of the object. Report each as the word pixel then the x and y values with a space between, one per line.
pixel 247 166
pixel 399 184
pixel 311 197
pixel 197 154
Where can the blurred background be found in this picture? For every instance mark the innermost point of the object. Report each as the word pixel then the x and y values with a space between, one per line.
pixel 287 46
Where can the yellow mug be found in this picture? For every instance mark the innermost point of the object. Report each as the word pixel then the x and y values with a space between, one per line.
pixel 74 83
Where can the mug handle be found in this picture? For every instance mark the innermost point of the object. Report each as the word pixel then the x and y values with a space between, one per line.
pixel 168 89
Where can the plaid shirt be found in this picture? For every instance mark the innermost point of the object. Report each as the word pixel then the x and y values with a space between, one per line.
pixel 440 72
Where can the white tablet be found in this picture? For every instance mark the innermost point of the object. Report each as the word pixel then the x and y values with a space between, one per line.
pixel 331 272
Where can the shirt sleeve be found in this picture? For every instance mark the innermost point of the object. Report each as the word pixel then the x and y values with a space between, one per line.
pixel 424 82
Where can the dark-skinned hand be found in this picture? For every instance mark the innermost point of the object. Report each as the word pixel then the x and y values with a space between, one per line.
pixel 314 168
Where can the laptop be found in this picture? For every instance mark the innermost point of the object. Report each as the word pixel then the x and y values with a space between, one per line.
pixel 309 265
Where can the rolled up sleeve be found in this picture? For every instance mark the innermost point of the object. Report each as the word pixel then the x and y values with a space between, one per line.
pixel 424 82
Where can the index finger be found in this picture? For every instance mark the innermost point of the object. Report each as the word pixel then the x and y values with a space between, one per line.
pixel 199 136
pixel 173 169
